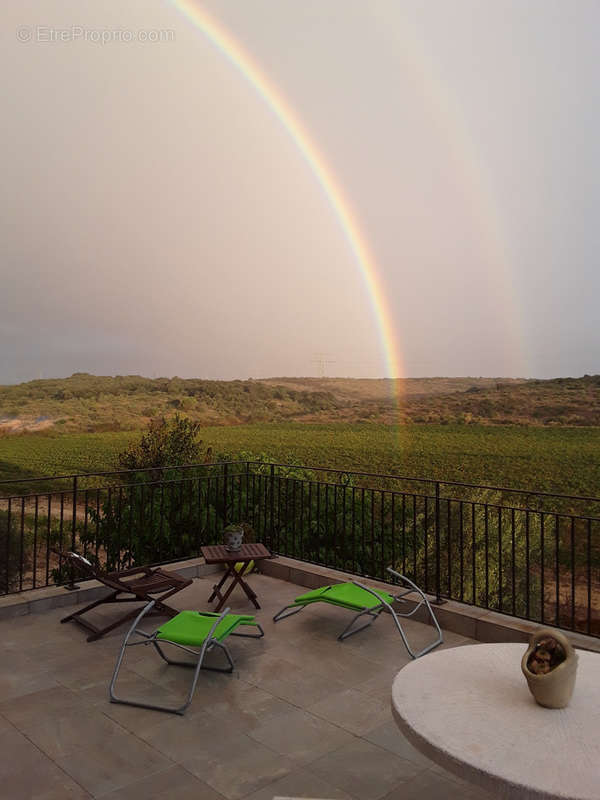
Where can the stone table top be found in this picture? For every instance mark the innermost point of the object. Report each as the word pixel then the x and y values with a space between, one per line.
pixel 470 710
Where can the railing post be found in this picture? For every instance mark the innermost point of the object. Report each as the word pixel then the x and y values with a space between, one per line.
pixel 272 490
pixel 225 474
pixel 438 550
pixel 71 585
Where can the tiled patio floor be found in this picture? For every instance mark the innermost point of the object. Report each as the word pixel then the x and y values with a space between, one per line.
pixel 303 715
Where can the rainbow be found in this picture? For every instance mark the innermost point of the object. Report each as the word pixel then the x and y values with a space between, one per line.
pixel 225 43
pixel 412 54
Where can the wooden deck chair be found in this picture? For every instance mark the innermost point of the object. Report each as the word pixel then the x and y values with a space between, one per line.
pixel 138 584
pixel 195 632
pixel 367 602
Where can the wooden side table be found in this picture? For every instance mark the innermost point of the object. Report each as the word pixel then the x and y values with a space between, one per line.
pixel 218 554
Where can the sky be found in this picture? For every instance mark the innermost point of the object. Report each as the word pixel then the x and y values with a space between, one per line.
pixel 157 217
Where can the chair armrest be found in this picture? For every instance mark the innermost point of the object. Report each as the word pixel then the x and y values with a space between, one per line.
pixel 123 573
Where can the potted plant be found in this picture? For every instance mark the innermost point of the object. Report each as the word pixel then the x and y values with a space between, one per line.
pixel 233 537
pixel 550 666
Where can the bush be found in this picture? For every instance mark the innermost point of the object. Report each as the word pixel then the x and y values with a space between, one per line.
pixel 165 443
pixel 151 517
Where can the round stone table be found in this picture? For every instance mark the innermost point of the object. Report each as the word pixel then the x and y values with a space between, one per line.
pixel 469 710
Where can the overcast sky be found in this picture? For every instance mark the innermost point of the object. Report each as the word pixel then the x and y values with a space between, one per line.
pixel 158 219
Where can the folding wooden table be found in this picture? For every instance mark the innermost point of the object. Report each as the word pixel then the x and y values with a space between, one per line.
pixel 218 554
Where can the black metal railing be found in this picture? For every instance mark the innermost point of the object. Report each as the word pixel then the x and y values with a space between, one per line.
pixel 534 555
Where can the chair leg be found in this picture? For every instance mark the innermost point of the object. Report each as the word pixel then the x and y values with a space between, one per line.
pixel 348 629
pixel 250 635
pixel 282 615
pixel 130 632
pixel 158 706
pixel 108 599
pixel 176 663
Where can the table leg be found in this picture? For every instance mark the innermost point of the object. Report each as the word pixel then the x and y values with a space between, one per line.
pixel 216 588
pixel 223 597
pixel 235 579
pixel 250 593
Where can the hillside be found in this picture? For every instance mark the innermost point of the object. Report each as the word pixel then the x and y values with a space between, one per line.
pixel 89 403
pixel 93 403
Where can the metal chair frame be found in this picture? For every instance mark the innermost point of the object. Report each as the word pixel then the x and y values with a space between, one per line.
pixel 151 639
pixel 373 613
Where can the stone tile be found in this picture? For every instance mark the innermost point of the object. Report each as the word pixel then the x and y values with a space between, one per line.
pixel 452 639
pixel 333 660
pixel 299 784
pixel 300 690
pixel 364 770
pixel 129 683
pixel 380 682
pixel 290 679
pixel 61 733
pixel 138 721
pixel 5 725
pixel 300 736
pixel 122 759
pixel 18 682
pixel 83 671
pixel 179 738
pixel 237 765
pixel 25 712
pixel 173 783
pixel 241 706
pixel 26 773
pixel 391 738
pixel 354 711
pixel 380 646
pixel 435 786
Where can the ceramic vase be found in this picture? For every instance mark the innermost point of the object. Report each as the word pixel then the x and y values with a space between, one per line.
pixel 555 688
pixel 234 538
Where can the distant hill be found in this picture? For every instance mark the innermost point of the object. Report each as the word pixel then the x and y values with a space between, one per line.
pixel 494 401
pixel 87 402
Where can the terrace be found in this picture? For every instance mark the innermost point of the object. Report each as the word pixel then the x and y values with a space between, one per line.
pixel 303 715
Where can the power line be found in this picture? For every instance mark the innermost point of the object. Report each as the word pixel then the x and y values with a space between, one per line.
pixel 322 360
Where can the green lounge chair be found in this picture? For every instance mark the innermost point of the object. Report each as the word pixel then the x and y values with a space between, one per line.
pixel 368 602
pixel 196 632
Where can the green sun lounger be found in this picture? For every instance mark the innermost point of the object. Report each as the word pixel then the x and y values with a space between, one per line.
pixel 195 632
pixel 367 602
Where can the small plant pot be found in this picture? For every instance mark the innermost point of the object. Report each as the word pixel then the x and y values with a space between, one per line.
pixel 233 538
pixel 555 688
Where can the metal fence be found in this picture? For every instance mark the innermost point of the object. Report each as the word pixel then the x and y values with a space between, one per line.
pixel 532 555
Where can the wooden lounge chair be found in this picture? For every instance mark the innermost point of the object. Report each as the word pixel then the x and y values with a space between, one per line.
pixel 142 584
pixel 195 632
pixel 367 602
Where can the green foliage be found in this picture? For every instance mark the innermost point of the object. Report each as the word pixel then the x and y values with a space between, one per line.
pixel 164 443
pixel 12 553
pixel 100 403
pixel 557 459
pixel 148 518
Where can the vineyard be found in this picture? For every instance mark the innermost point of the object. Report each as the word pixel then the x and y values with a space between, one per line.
pixel 563 460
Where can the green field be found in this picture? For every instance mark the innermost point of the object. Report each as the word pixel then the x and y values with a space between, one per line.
pixel 565 460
